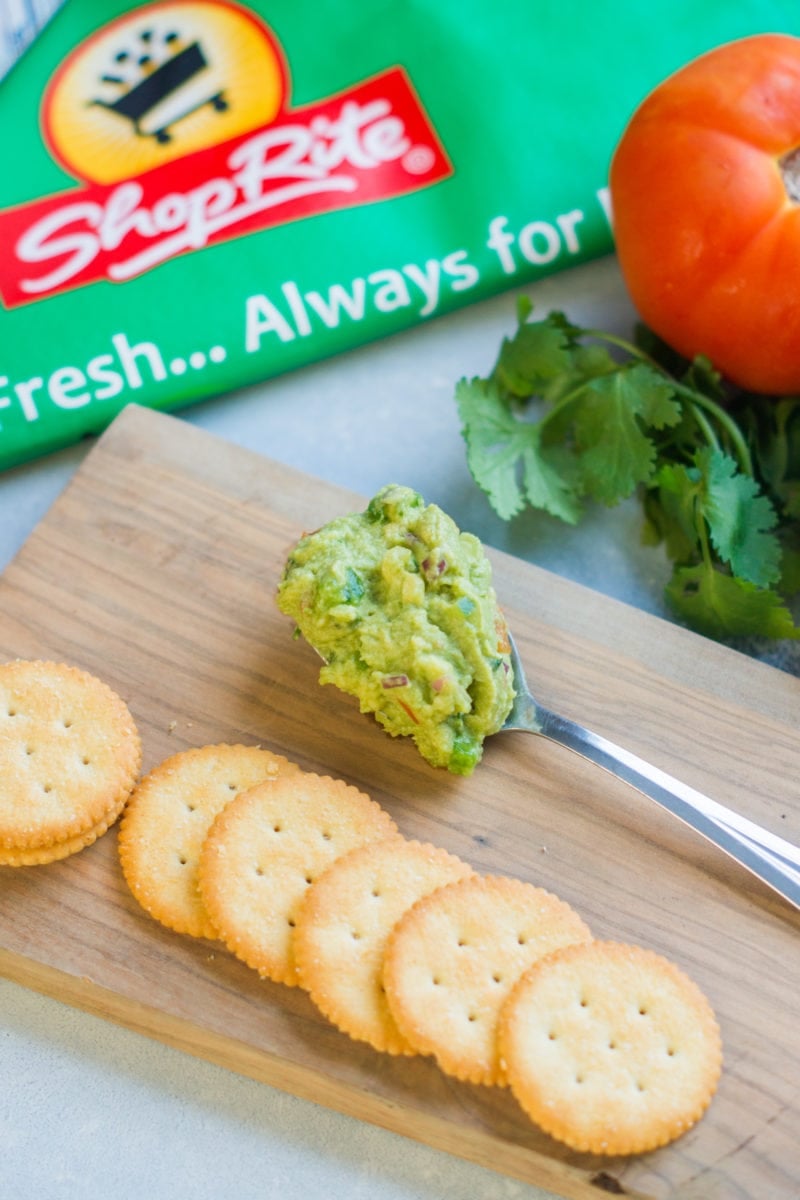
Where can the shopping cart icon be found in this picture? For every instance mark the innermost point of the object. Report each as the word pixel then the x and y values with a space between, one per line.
pixel 169 94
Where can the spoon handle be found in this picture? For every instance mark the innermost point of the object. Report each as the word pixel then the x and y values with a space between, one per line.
pixel 771 858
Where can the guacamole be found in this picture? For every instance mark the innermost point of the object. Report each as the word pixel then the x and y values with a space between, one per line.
pixel 400 605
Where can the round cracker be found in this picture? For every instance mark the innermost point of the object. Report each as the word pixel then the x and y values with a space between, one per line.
pixel 610 1048
pixel 265 849
pixel 452 959
pixel 344 921
pixel 168 817
pixel 62 849
pixel 70 754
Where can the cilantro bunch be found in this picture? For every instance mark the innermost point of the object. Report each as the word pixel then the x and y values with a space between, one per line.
pixel 572 416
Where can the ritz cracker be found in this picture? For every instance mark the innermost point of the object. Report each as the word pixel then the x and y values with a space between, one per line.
pixel 206 194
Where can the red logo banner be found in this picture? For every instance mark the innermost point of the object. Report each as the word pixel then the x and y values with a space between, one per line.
pixel 370 143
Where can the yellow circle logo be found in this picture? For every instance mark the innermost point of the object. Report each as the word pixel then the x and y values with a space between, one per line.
pixel 159 83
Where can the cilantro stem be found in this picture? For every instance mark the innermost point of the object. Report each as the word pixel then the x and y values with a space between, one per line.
pixel 705 425
pixel 702 535
pixel 740 447
pixel 623 344
pixel 562 403
pixel 697 399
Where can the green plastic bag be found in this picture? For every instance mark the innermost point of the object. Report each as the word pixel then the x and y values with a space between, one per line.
pixel 198 195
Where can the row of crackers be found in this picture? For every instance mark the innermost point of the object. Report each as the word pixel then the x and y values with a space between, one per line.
pixel 608 1047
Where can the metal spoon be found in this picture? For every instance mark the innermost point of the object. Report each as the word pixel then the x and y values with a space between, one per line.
pixel 771 858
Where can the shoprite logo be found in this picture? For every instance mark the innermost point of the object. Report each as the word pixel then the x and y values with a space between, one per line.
pixel 175 117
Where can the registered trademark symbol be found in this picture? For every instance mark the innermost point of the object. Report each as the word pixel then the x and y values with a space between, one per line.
pixel 419 160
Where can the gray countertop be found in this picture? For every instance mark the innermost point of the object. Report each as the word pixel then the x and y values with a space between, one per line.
pixel 91 1110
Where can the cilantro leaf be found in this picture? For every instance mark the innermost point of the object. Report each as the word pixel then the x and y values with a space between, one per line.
pixel 671 509
pixel 493 444
pixel 723 606
pixel 504 453
pixel 552 480
pixel 611 423
pixel 713 495
pixel 740 520
pixel 536 355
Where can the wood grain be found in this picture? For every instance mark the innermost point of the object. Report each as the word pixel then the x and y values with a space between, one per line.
pixel 156 569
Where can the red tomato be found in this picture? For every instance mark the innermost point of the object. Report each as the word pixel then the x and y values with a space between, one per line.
pixel 705 192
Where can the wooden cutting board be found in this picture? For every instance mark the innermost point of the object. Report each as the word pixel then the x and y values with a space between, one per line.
pixel 156 570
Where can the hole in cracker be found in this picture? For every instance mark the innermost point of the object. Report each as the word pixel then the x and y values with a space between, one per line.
pixel 67 722
pixel 642 1010
pixel 191 807
pixel 497 977
pixel 584 1003
pixel 29 749
pixel 436 981
pixel 290 922
pixel 182 859
pixel 639 1085
pixel 612 1045
pixel 356 936
pixel 277 828
pixel 521 939
pixel 326 837
pixel 671 1051
pixel 233 787
pixel 579 1078
pixel 462 942
pixel 259 870
pixel 309 878
pixel 86 760
pixel 47 787
pixel 552 1035
pixel 12 712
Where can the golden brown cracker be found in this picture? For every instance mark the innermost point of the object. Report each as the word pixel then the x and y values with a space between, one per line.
pixel 265 849
pixel 168 817
pixel 452 959
pixel 610 1048
pixel 70 754
pixel 344 921
pixel 63 848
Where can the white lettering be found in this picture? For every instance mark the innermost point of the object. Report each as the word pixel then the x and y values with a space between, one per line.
pixel 205 204
pixel 500 240
pixel 339 300
pixel 253 165
pixel 545 232
pixel 463 273
pixel 604 200
pixel 427 280
pixel 129 355
pixel 99 371
pixel 566 223
pixel 123 215
pixel 296 307
pixel 361 137
pixel 5 401
pixel 540 242
pixel 63 383
pixel 261 316
pixel 170 212
pixel 37 244
pixel 392 291
pixel 386 141
pixel 24 393
pixel 274 167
